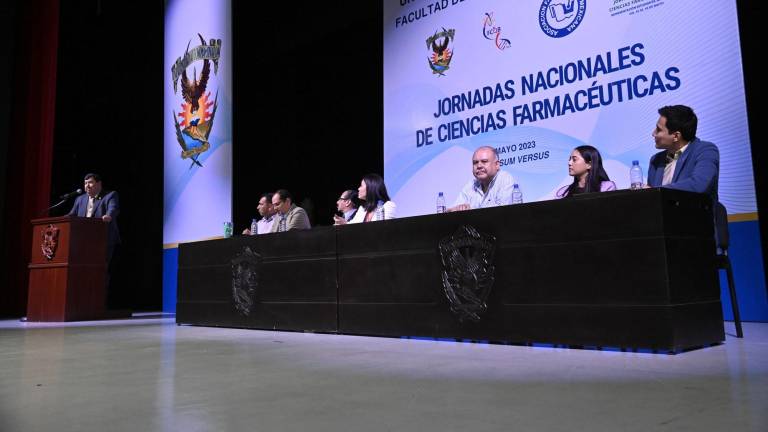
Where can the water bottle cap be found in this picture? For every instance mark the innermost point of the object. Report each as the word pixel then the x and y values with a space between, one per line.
pixel 439 194
pixel 635 162
pixel 515 185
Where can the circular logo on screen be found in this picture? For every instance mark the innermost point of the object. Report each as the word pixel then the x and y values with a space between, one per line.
pixel 559 18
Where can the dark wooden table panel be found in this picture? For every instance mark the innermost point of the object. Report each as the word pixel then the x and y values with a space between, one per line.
pixel 296 287
pixel 625 268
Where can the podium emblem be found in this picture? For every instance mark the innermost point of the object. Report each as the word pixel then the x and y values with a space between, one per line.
pixel 468 271
pixel 195 120
pixel 245 280
pixel 50 241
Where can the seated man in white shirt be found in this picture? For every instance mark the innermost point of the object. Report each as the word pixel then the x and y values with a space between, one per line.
pixel 267 212
pixel 491 186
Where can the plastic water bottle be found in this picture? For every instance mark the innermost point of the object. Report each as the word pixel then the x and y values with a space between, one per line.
pixel 636 176
pixel 254 227
pixel 517 194
pixel 440 203
pixel 379 215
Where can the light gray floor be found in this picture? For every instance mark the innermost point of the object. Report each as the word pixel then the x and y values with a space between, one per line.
pixel 150 375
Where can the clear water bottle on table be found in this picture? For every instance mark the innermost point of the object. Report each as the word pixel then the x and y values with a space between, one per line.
pixel 636 176
pixel 440 203
pixel 517 194
pixel 379 214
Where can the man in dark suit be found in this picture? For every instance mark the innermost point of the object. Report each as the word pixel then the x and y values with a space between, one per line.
pixel 98 203
pixel 685 162
pixel 346 206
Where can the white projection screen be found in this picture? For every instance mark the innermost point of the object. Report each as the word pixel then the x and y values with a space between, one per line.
pixel 535 79
pixel 197 120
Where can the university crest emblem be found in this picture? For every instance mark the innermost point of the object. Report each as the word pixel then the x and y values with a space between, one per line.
pixel 195 120
pixel 468 271
pixel 245 280
pixel 442 54
pixel 50 241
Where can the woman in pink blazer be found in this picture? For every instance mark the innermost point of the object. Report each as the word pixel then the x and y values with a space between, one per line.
pixel 586 167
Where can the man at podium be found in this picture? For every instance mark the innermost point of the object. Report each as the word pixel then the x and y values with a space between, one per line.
pixel 98 203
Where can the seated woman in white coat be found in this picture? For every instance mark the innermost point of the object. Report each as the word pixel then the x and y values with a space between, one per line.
pixel 376 203
pixel 586 167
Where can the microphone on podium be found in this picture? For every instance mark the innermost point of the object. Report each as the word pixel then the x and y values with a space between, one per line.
pixel 71 194
pixel 63 199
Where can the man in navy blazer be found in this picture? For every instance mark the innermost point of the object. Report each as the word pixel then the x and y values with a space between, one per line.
pixel 103 205
pixel 98 203
pixel 686 162
pixel 345 206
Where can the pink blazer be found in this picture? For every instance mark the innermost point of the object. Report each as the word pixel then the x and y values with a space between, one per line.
pixel 604 187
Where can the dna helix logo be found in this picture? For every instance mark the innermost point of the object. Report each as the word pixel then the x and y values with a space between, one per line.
pixel 493 32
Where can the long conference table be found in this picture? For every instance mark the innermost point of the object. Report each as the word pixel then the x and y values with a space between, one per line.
pixel 628 269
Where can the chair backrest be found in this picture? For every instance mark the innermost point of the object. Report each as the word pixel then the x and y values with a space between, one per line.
pixel 721 226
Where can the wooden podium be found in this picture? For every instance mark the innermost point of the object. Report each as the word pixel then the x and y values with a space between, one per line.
pixel 67 269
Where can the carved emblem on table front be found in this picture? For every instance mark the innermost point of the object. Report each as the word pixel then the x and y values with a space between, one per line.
pixel 468 271
pixel 50 241
pixel 245 280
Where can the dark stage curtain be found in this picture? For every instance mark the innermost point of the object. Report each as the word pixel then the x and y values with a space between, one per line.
pixel 30 150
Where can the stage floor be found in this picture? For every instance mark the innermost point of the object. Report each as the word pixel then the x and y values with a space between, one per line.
pixel 147 373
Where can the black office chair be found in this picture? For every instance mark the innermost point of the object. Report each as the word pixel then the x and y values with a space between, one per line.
pixel 723 262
